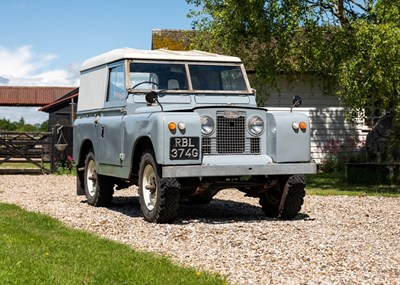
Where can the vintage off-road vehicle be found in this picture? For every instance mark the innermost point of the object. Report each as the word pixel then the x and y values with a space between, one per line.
pixel 184 125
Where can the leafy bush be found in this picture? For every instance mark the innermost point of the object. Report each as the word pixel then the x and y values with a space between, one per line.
pixel 66 167
pixel 336 162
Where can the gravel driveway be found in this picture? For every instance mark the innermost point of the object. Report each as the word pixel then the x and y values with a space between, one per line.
pixel 335 240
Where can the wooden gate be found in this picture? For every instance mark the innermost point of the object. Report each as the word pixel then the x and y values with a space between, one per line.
pixel 26 152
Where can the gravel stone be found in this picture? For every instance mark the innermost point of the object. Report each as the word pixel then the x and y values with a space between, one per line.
pixel 334 240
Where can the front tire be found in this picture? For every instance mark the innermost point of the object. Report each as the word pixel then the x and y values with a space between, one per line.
pixel 158 197
pixel 271 199
pixel 98 188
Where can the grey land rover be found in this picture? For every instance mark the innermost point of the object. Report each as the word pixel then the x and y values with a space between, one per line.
pixel 184 125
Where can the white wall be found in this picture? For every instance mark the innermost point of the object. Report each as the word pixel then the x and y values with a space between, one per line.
pixel 330 132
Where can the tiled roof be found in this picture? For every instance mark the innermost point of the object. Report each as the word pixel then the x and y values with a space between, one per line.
pixel 31 95
pixel 171 39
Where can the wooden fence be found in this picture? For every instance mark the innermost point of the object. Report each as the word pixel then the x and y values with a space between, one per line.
pixel 26 152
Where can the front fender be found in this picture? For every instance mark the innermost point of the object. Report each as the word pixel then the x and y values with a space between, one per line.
pixel 285 144
pixel 162 146
pixel 155 127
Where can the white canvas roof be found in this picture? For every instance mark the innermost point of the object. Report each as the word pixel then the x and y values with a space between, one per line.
pixel 160 54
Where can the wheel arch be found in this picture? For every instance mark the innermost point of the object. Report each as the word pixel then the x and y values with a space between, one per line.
pixel 86 145
pixel 141 145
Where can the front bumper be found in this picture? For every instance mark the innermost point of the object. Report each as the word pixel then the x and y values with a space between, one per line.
pixel 238 170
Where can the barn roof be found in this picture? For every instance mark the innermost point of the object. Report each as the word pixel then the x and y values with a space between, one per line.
pixel 31 95
pixel 66 99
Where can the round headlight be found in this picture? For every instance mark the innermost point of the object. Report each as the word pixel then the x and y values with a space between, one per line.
pixel 207 125
pixel 256 125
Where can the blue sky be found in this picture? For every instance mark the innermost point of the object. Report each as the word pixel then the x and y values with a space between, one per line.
pixel 44 42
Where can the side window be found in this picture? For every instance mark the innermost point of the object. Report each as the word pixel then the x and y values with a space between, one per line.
pixel 116 85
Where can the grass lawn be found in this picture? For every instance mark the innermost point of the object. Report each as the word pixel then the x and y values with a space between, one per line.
pixel 332 184
pixel 36 249
pixel 23 165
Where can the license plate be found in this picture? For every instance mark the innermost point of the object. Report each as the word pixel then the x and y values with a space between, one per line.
pixel 184 148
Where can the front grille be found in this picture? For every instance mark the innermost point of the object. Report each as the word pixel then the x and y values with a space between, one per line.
pixel 230 136
pixel 206 142
pixel 255 145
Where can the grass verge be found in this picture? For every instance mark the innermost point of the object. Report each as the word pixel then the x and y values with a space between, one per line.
pixel 332 184
pixel 36 249
pixel 23 165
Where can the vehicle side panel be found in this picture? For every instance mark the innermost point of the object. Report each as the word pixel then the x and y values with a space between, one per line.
pixel 93 83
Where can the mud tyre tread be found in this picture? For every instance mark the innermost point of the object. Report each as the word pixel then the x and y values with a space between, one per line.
pixel 294 200
pixel 167 195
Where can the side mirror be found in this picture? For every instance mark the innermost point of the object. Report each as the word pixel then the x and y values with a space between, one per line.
pixel 151 97
pixel 297 101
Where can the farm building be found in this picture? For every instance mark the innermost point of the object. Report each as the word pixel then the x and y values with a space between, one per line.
pixel 61 116
pixel 62 111
pixel 34 148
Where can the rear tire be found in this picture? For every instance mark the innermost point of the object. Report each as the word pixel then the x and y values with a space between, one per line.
pixel 99 189
pixel 271 199
pixel 158 197
pixel 80 182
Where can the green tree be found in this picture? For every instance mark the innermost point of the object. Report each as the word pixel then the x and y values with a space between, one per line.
pixel 43 127
pixel 371 75
pixel 6 125
pixel 350 44
pixel 21 126
pixel 353 45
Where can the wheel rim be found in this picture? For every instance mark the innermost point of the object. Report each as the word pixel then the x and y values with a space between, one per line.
pixel 91 178
pixel 149 187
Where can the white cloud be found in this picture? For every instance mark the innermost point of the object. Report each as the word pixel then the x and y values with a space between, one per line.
pixel 23 67
pixel 16 63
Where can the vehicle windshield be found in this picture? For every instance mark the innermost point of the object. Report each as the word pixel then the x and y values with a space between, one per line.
pixel 173 76
pixel 217 77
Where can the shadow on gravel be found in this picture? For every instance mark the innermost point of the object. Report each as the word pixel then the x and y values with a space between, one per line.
pixel 126 205
pixel 216 212
pixel 219 212
pixel 223 212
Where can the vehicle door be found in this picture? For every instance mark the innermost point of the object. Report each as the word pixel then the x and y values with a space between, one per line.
pixel 111 123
